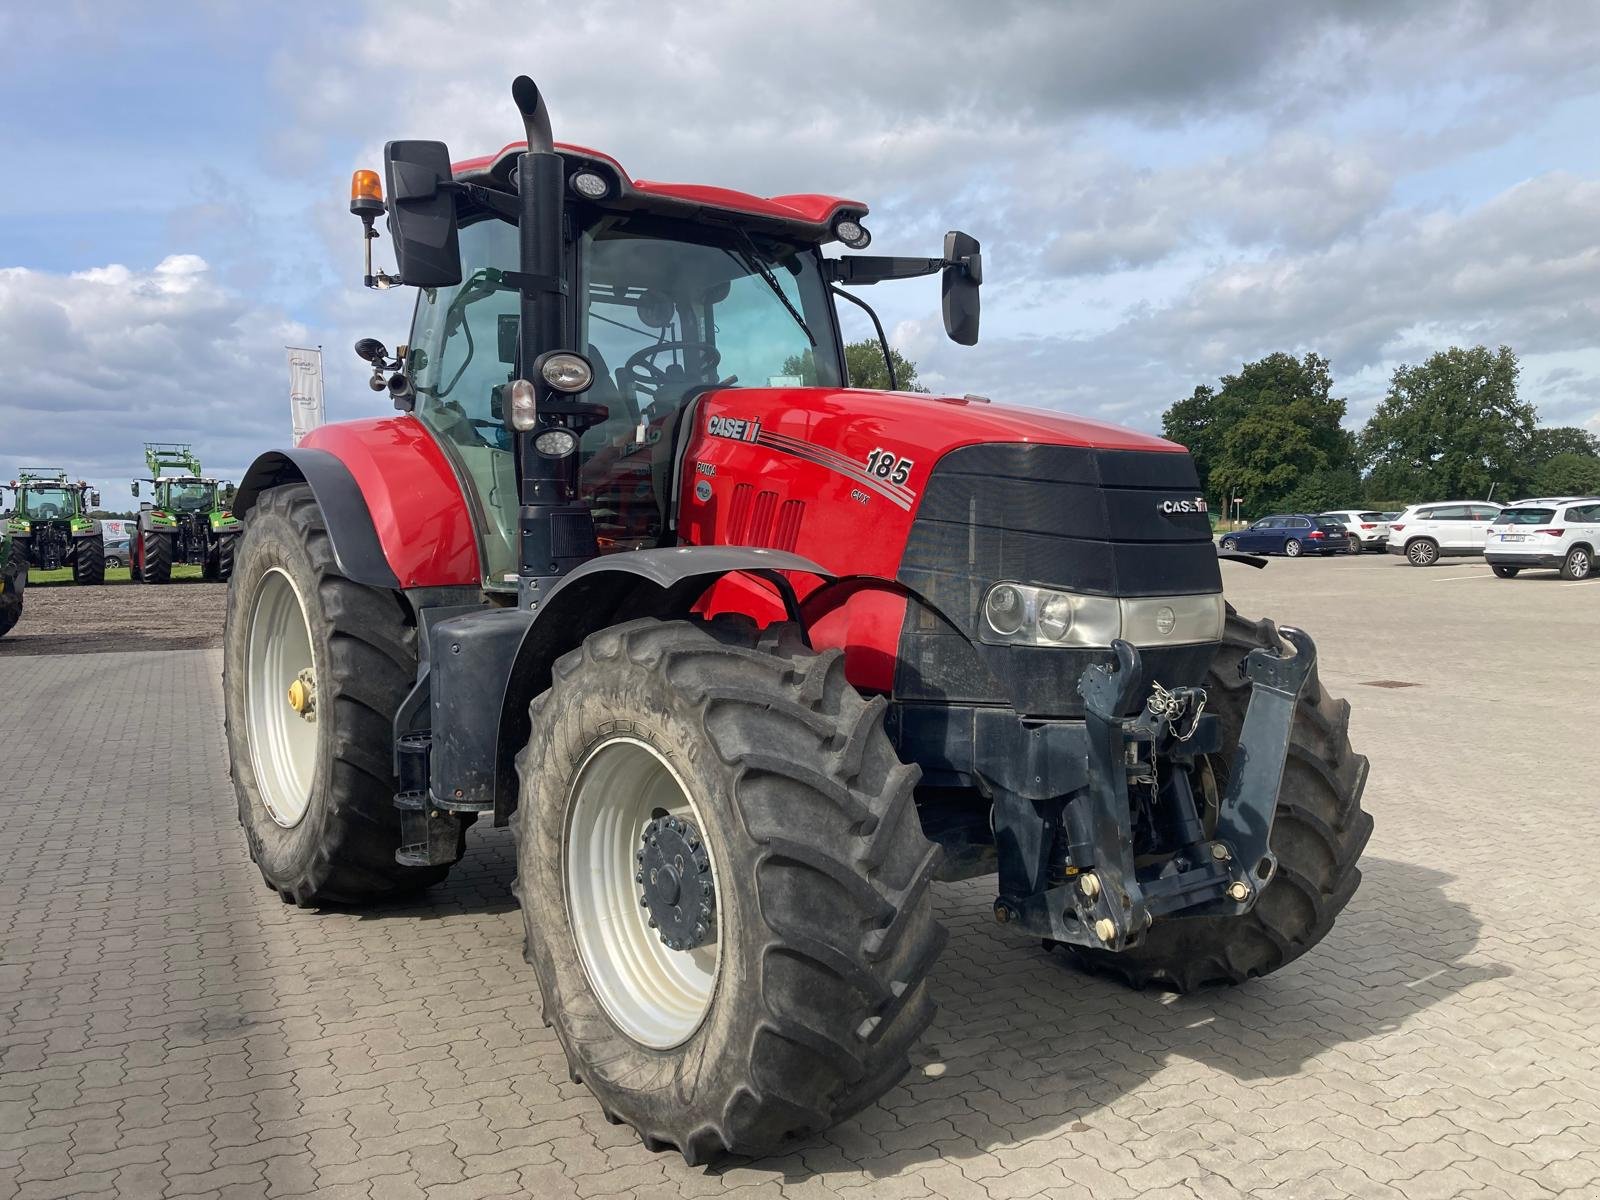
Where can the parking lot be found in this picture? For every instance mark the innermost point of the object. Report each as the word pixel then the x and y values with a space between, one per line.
pixel 169 1028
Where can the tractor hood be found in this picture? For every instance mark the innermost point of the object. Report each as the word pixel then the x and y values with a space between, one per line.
pixel 928 424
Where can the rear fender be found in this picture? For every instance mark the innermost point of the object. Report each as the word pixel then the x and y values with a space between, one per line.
pixel 356 549
pixel 474 765
pixel 395 508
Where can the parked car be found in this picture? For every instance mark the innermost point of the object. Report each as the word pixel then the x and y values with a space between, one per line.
pixel 1425 533
pixel 117 553
pixel 1367 529
pixel 1561 535
pixel 1293 534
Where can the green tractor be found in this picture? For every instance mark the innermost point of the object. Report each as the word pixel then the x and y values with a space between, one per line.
pixel 185 521
pixel 50 525
pixel 13 581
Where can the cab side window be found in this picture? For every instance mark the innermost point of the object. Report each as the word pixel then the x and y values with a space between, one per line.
pixel 463 346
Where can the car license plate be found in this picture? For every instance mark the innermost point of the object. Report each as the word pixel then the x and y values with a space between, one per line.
pixel 1513 537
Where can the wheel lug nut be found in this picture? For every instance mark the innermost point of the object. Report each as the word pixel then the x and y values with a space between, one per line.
pixel 652 922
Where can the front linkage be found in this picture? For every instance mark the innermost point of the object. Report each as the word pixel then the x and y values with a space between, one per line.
pixel 1107 899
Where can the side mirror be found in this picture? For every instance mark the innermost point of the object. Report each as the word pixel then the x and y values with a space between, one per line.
pixel 422 213
pixel 960 284
pixel 228 493
pixel 371 350
pixel 94 499
pixel 135 487
pixel 509 332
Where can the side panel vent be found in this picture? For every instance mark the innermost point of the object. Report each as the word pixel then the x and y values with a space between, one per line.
pixel 739 513
pixel 788 531
pixel 761 519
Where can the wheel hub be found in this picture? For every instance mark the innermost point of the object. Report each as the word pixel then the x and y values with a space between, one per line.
pixel 303 694
pixel 676 886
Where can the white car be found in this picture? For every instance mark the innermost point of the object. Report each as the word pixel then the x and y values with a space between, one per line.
pixel 1366 528
pixel 1425 533
pixel 1560 534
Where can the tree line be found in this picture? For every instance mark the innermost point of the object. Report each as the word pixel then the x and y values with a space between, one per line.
pixel 1451 428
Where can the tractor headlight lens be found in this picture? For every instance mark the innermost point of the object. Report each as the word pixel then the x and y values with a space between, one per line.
pixel 524 405
pixel 852 233
pixel 566 372
pixel 1015 614
pixel 555 443
pixel 590 185
pixel 1004 609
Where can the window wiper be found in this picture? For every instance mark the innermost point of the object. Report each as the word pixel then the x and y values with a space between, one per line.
pixel 751 256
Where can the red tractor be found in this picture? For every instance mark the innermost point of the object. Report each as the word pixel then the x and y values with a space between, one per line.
pixel 747 658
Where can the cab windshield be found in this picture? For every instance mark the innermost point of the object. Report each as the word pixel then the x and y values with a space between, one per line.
pixel 668 310
pixel 189 497
pixel 47 502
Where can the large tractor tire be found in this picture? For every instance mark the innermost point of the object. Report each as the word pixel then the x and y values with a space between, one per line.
pixel 314 669
pixel 11 602
pixel 1318 835
pixel 224 557
pixel 155 553
pixel 724 884
pixel 89 561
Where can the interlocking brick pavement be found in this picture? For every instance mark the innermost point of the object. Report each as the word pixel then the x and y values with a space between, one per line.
pixel 169 1028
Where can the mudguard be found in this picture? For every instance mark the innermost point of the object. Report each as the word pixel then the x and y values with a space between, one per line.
pixel 486 666
pixel 356 548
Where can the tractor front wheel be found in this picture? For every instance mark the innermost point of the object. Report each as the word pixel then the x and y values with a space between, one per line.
pixel 724 884
pixel 89 561
pixel 155 557
pixel 11 598
pixel 1318 834
pixel 314 668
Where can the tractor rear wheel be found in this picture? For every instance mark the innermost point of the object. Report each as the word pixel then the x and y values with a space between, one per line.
pixel 724 884
pixel 155 553
pixel 224 557
pixel 314 669
pixel 1318 835
pixel 89 561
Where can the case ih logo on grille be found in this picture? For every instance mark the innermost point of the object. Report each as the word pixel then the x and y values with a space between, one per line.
pixel 737 428
pixel 1197 505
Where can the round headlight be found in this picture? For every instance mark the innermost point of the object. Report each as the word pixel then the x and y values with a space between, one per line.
pixel 1003 609
pixel 590 185
pixel 1055 618
pixel 566 372
pixel 555 443
pixel 852 233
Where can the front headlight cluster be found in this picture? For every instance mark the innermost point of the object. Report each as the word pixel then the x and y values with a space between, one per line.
pixel 1017 614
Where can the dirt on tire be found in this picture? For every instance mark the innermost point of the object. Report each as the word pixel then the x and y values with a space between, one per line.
pixel 67 618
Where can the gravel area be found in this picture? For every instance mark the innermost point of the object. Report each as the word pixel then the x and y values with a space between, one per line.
pixel 65 618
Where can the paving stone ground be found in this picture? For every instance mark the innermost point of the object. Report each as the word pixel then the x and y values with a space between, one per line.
pixel 169 1028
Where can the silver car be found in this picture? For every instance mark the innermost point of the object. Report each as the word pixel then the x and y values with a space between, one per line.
pixel 1367 528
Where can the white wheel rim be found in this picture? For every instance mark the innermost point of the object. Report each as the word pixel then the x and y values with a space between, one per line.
pixel 283 743
pixel 657 996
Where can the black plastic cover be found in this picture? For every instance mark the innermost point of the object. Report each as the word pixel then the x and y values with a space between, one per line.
pixel 1102 522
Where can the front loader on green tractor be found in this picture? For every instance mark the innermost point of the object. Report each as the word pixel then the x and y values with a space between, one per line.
pixel 185 521
pixel 50 525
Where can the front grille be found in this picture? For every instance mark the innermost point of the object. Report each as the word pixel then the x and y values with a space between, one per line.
pixel 1071 517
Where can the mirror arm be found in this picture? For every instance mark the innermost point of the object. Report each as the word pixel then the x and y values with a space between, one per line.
pixel 888 359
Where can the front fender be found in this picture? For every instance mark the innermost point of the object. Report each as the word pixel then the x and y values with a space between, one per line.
pixel 665 584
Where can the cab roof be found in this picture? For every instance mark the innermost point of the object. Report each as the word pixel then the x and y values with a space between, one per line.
pixel 807 215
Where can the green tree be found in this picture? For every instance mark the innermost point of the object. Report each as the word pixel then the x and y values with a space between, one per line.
pixel 1267 431
pixel 1452 427
pixel 864 362
pixel 1561 439
pixel 1567 474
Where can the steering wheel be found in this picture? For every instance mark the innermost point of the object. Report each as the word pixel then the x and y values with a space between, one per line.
pixel 701 359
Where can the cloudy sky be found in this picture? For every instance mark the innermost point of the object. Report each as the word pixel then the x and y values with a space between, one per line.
pixel 1163 189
